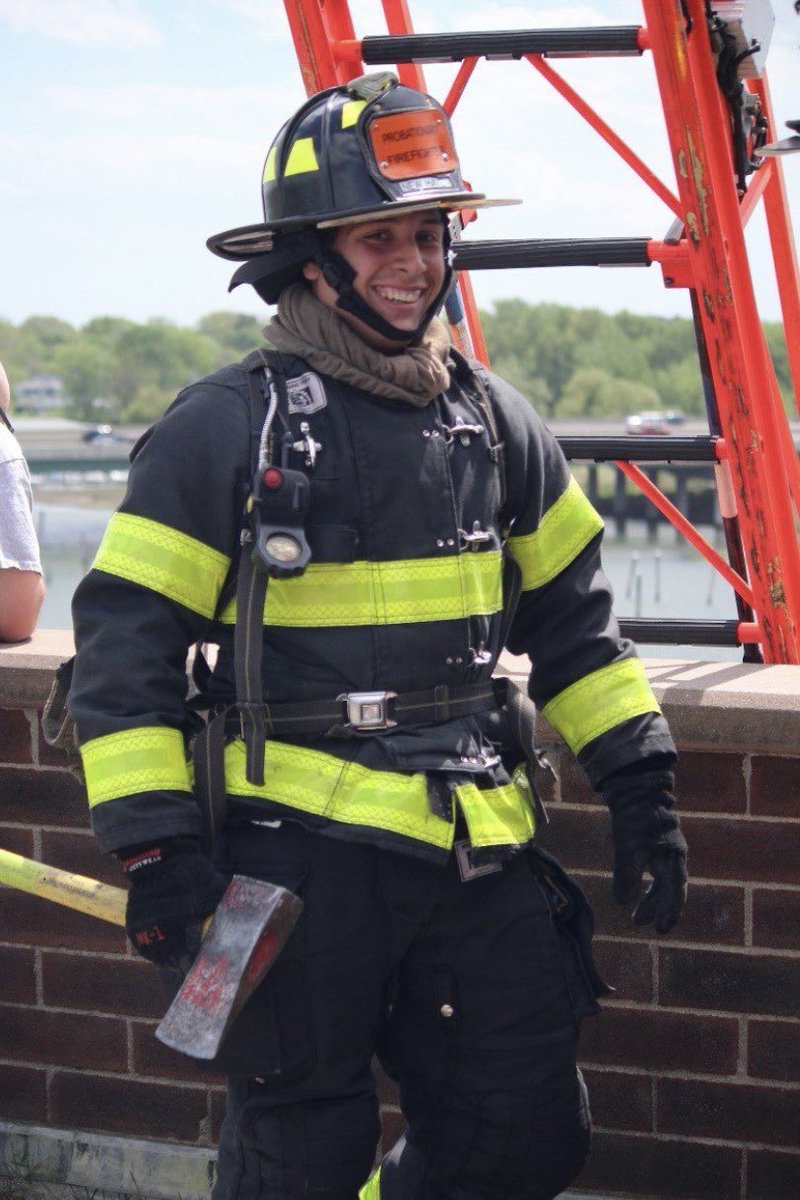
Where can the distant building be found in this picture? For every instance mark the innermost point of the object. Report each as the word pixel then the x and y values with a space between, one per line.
pixel 40 393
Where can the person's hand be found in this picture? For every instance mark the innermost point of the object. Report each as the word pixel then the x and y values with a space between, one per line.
pixel 647 837
pixel 173 887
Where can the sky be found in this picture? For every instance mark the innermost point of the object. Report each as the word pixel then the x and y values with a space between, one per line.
pixel 131 130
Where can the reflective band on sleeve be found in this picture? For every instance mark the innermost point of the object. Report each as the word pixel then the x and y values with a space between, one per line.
pixel 318 783
pixel 566 528
pixel 149 759
pixel 600 701
pixel 164 560
pixel 302 158
pixel 350 112
pixel 385 593
pixel 501 816
pixel 372 1188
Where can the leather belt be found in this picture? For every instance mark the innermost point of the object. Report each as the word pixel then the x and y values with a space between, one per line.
pixel 353 713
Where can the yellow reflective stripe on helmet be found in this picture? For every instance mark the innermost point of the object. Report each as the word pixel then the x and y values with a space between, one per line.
pixel 164 560
pixel 269 166
pixel 302 158
pixel 566 528
pixel 384 593
pixel 372 1188
pixel 318 783
pixel 149 759
pixel 501 816
pixel 350 112
pixel 599 701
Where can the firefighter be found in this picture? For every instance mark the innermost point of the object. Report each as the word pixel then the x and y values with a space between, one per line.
pixel 360 520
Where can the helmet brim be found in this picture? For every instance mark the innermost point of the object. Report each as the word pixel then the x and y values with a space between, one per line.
pixel 246 241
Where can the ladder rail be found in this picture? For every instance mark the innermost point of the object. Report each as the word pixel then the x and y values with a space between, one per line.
pixel 761 465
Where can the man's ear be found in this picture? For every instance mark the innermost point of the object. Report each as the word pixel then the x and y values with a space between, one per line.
pixel 312 271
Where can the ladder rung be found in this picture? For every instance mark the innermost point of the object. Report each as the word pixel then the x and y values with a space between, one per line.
pixel 501 43
pixel 676 632
pixel 636 448
pixel 552 252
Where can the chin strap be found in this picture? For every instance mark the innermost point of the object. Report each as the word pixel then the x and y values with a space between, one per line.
pixel 340 275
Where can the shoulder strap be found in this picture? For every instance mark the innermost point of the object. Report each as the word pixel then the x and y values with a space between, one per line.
pixel 475 372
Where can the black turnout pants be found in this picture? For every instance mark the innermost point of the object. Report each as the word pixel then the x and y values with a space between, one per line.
pixel 465 990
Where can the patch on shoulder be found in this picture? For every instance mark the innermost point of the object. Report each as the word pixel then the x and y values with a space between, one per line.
pixel 306 393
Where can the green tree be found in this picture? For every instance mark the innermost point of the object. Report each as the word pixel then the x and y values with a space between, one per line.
pixel 87 370
pixel 234 333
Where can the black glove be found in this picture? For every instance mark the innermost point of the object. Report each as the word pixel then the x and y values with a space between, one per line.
pixel 647 836
pixel 173 887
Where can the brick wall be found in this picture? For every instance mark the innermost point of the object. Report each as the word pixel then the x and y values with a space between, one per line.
pixel 694 1067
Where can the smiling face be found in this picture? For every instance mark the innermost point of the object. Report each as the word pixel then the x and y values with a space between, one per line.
pixel 400 268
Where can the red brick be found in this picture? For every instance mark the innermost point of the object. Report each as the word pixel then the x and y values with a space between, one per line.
pixel 776 918
pixel 710 783
pixel 755 851
pixel 662 1169
pixel 627 966
pixel 29 920
pixel 15 737
pixel 714 913
pixel 730 982
pixel 731 1111
pixel 392 1127
pixel 388 1091
pixel 79 852
pixel 56 1038
pixel 218 1102
pixel 151 1057
pixel 772 1175
pixel 579 837
pixel 23 1094
pixel 620 1100
pixel 17 975
pixel 652 1039
pixel 116 985
pixel 105 1104
pixel 42 798
pixel 18 840
pixel 775 787
pixel 575 787
pixel 773 1050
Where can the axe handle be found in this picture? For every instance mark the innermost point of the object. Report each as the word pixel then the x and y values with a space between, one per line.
pixel 75 891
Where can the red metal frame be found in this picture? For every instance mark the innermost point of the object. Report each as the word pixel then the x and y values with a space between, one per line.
pixel 711 260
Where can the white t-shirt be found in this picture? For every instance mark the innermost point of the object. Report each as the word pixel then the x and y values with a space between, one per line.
pixel 19 546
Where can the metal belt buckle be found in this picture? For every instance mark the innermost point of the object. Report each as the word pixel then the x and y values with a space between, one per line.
pixel 369 710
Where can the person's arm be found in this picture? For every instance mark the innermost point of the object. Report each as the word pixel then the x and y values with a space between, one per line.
pixel 22 587
pixel 21 598
pixel 586 679
pixel 151 593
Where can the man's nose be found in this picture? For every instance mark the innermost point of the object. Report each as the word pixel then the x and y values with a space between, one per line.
pixel 409 254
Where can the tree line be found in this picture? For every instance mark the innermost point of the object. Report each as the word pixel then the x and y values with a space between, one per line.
pixel 569 362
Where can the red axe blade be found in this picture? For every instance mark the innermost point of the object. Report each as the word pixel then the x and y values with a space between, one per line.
pixel 247 933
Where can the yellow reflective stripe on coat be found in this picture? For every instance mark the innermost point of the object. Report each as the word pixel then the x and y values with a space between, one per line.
pixel 565 529
pixel 501 816
pixel 372 1188
pixel 600 701
pixel 318 783
pixel 385 593
pixel 164 560
pixel 149 759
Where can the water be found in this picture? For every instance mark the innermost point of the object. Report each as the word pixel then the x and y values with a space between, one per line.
pixel 661 578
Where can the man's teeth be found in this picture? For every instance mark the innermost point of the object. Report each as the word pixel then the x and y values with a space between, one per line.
pixel 406 296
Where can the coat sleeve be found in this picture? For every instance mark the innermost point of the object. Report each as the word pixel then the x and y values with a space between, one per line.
pixel 586 680
pixel 151 593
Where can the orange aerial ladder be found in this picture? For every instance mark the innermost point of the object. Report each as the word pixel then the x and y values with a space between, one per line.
pixel 718 116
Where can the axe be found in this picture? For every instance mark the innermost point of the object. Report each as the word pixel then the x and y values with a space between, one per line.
pixel 241 941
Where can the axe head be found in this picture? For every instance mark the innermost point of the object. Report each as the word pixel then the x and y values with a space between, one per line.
pixel 247 933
